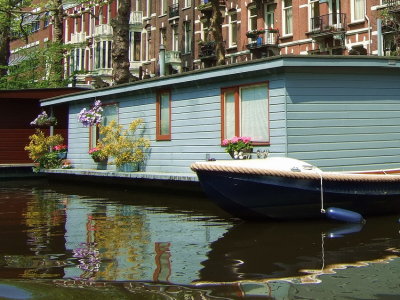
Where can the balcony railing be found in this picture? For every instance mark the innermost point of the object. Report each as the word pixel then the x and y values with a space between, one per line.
pixel 392 4
pixel 328 23
pixel 78 37
pixel 136 18
pixel 172 57
pixel 173 10
pixel 103 29
pixel 269 37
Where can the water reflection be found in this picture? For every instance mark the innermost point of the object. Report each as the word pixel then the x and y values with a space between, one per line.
pixel 159 245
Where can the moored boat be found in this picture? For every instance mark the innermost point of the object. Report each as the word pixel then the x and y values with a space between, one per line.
pixel 286 188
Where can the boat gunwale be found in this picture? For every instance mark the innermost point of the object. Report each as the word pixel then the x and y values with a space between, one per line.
pixel 357 176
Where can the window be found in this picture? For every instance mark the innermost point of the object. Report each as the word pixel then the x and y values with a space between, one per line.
pixel 103 55
pixel 163 36
pixel 175 38
pixel 205 28
pixel 187 37
pixel 357 10
pixel 163 115
pixel 232 29
pixel 46 20
pixel 287 17
pixel 110 113
pixel 163 7
pixel 252 18
pixel 314 15
pixel 245 112
pixel 148 43
pixel 134 42
pixel 148 8
pixel 77 60
pixel 188 3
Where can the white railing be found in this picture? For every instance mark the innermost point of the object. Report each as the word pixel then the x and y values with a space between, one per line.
pixel 136 18
pixel 103 29
pixel 172 57
pixel 78 37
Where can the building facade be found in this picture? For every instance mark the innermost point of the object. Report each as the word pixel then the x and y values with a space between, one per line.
pixel 251 29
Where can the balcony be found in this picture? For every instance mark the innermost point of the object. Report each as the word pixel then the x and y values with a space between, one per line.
pixel 393 5
pixel 136 18
pixel 261 40
pixel 103 30
pixel 77 38
pixel 172 57
pixel 173 11
pixel 328 25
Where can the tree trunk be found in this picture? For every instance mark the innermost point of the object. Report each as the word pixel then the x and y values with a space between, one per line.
pixel 57 66
pixel 120 49
pixel 216 25
pixel 5 45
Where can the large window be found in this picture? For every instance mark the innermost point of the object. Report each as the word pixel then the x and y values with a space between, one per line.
pixel 287 17
pixel 232 29
pixel 245 112
pixel 314 15
pixel 163 115
pixel 163 7
pixel 252 17
pixel 358 10
pixel 110 113
pixel 175 38
pixel 187 37
pixel 103 55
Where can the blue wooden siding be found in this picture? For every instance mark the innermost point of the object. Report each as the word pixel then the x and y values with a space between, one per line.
pixel 344 121
pixel 196 125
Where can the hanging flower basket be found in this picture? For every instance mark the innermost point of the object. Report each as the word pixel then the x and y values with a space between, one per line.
pixel 92 116
pixel 238 147
pixel 43 120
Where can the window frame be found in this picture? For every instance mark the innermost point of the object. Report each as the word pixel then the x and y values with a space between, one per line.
pixel 233 27
pixel 159 136
pixel 285 10
pixel 353 11
pixel 237 114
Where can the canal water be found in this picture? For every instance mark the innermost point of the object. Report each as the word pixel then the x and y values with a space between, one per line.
pixel 94 242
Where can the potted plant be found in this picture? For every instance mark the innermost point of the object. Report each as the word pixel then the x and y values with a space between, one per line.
pixel 252 34
pixel 43 120
pixel 97 155
pixel 124 145
pixel 39 150
pixel 238 147
pixel 92 116
pixel 61 151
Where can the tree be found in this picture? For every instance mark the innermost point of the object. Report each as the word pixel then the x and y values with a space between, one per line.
pixel 216 27
pixel 120 54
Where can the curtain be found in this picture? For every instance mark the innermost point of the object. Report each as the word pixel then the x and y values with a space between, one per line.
pixel 229 114
pixel 254 112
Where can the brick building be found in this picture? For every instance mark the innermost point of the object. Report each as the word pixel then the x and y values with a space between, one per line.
pixel 251 29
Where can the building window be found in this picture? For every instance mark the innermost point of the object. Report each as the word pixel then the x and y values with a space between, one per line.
pixel 187 37
pixel 148 8
pixel 148 43
pixel 103 55
pixel 287 17
pixel 46 20
pixel 175 38
pixel 135 43
pixel 77 60
pixel 35 26
pixel 110 113
pixel 314 15
pixel 188 3
pixel 163 7
pixel 232 29
pixel 163 36
pixel 252 18
pixel 245 112
pixel 357 10
pixel 163 115
pixel 205 28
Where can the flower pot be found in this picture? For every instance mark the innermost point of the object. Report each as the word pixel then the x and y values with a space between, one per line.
pixel 62 155
pixel 128 167
pixel 101 163
pixel 241 154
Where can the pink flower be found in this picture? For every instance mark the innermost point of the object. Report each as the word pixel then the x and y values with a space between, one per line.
pixel 60 147
pixel 94 150
pixel 235 139
pixel 225 142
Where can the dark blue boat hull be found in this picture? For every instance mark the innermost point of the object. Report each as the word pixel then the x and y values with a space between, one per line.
pixel 250 196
